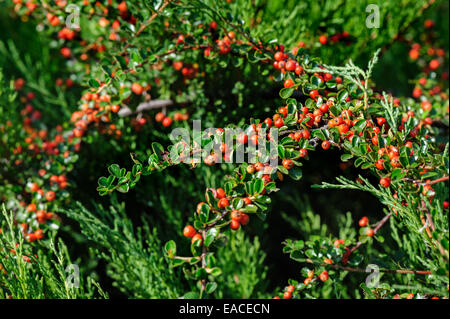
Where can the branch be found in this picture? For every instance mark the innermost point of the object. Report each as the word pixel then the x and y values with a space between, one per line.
pixel 375 230
pixel 429 221
pixel 390 271
pixel 418 182
pixel 155 104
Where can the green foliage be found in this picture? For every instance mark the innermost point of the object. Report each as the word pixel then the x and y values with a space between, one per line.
pixel 39 272
pixel 244 273
pixel 134 258
pixel 77 103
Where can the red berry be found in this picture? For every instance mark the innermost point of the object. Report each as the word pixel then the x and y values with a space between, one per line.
pixel 328 261
pixel 220 193
pixel 236 215
pixel 381 121
pixel 417 92
pixel 324 276
pixel 363 221
pixel 34 187
pixel 375 140
pixel 167 121
pixel 66 52
pixel 303 152
pixel 324 108
pixel 242 138
pixel 159 116
pixel 338 242
pixel 290 65
pixel 234 225
pixel 343 128
pixel 385 181
pixel 325 145
pixel 434 64
pixel 298 70
pixel 268 121
pixel 223 203
pixel 50 195
pixel 115 108
pixel 370 232
pixel 189 231
pixel 122 6
pixel 137 88
pixel 279 122
pixel 279 56
pixel 313 94
pixel 288 164
pixel 288 83
pixel 287 295
pixel 39 234
pixel 380 164
pixel 197 237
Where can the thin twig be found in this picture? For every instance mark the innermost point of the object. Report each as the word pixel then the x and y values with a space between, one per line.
pixel 418 182
pixel 375 230
pixel 154 104
pixel 390 271
pixel 147 23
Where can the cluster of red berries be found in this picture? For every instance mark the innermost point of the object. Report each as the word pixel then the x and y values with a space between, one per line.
pixel 237 217
pixel 284 63
pixel 364 222
pixel 190 232
pixel 290 290
pixel 189 71
pixel 44 186
pixel 166 121
pixel 94 110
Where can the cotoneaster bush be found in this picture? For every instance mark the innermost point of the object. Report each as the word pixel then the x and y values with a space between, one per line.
pixel 139 69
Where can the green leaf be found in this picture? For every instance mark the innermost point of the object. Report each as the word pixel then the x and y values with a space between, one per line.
pixel 114 169
pixel 94 83
pixel 286 92
pixel 258 186
pixel 122 62
pixel 366 165
pixel 216 271
pixel 191 295
pixel 281 151
pixel 358 162
pixel 177 262
pixel 320 134
pixel 210 235
pixel 250 209
pixel 283 170
pixel 170 248
pixel 397 173
pixel 346 157
pixel 238 203
pixel 124 188
pixel 295 173
pixel 211 287
pixel 158 149
pixel 103 181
